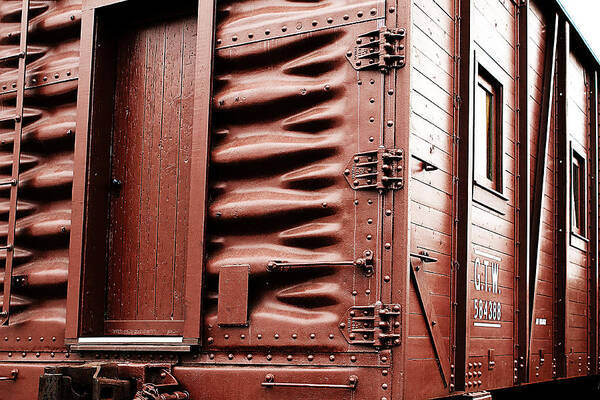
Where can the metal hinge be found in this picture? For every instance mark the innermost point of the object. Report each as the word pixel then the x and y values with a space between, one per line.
pixel 376 169
pixel 382 49
pixel 375 325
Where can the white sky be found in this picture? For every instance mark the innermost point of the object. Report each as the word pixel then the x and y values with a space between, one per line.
pixel 586 16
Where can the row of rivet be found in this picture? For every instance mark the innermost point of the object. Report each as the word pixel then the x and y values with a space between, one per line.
pixel 473 374
pixel 299 26
pixel 30 338
pixel 41 79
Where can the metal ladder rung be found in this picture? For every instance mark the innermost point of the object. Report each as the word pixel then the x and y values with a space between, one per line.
pixel 9 182
pixel 12 56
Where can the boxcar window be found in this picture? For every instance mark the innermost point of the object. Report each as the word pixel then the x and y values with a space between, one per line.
pixel 488 133
pixel 578 194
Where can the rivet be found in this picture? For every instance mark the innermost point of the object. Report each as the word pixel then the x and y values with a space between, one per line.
pixel 324 205
pixel 24 354
pixel 359 14
pixel 353 358
pixel 373 11
pixel 314 23
pixel 331 336
pixel 250 35
pixel 68 73
pixel 384 386
pixel 249 356
pixel 388 246
pixel 368 291
pixel 235 38
pixel 5 338
pixel 269 357
pixel 276 336
pixel 390 123
pixel 289 357
pixel 211 356
pixel 370 221
pixel 372 100
pixel 327 87
pixel 210 340
pixel 384 372
pixel 330 20
pixel 372 81
pixel 9 354
pixel 219 41
pixel 371 119
pixel 391 10
pixel 67 355
pixel 267 32
pixel 284 28
pixel 388 212
pixel 312 335
pixel 332 358
pixel 386 278
pixel 37 354
pixel 359 82
pixel 18 338
pixel 230 356
pixel 391 92
pixel 346 17
pixel 369 237
pixel 72 18
pixel 370 201
pixel 242 336
pixel 259 336
pixel 383 358
pixel 355 202
pixel 226 336
pixel 52 354
pixel 294 336
pixel 352 336
pixel 54 338
pixel 354 293
pixel 371 139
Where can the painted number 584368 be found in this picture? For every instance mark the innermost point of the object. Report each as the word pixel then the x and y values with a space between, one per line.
pixel 487 310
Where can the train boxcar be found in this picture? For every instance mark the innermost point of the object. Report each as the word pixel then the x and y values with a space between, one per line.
pixel 374 199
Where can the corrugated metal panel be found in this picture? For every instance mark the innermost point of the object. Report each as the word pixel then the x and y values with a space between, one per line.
pixel 41 255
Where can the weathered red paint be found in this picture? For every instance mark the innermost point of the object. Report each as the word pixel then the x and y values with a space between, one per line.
pixel 204 216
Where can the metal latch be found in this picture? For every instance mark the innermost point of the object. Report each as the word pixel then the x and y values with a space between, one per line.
pixel 376 169
pixel 381 48
pixel 374 325
pixel 366 262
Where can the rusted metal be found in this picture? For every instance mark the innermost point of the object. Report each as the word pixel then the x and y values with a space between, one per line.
pixel 377 169
pixel 374 325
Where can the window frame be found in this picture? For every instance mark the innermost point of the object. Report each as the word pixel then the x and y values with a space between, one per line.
pixel 576 157
pixel 85 298
pixel 487 193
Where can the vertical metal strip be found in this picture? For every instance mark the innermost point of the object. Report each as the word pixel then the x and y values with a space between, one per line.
pixel 562 233
pixel 523 177
pixel 465 190
pixel 12 213
pixel 594 223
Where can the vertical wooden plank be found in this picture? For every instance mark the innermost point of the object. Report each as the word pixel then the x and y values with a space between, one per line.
pixel 183 180
pixel 198 180
pixel 594 222
pixel 150 172
pixel 562 184
pixel 167 206
pixel 76 243
pixel 465 190
pixel 523 187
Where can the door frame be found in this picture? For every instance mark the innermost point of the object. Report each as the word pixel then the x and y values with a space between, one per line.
pixel 85 297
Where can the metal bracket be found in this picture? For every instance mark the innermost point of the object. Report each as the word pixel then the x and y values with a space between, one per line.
pixel 376 169
pixel 374 325
pixel 351 385
pixel 382 49
pixel 366 262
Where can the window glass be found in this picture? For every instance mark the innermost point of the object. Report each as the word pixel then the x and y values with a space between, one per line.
pixel 487 145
